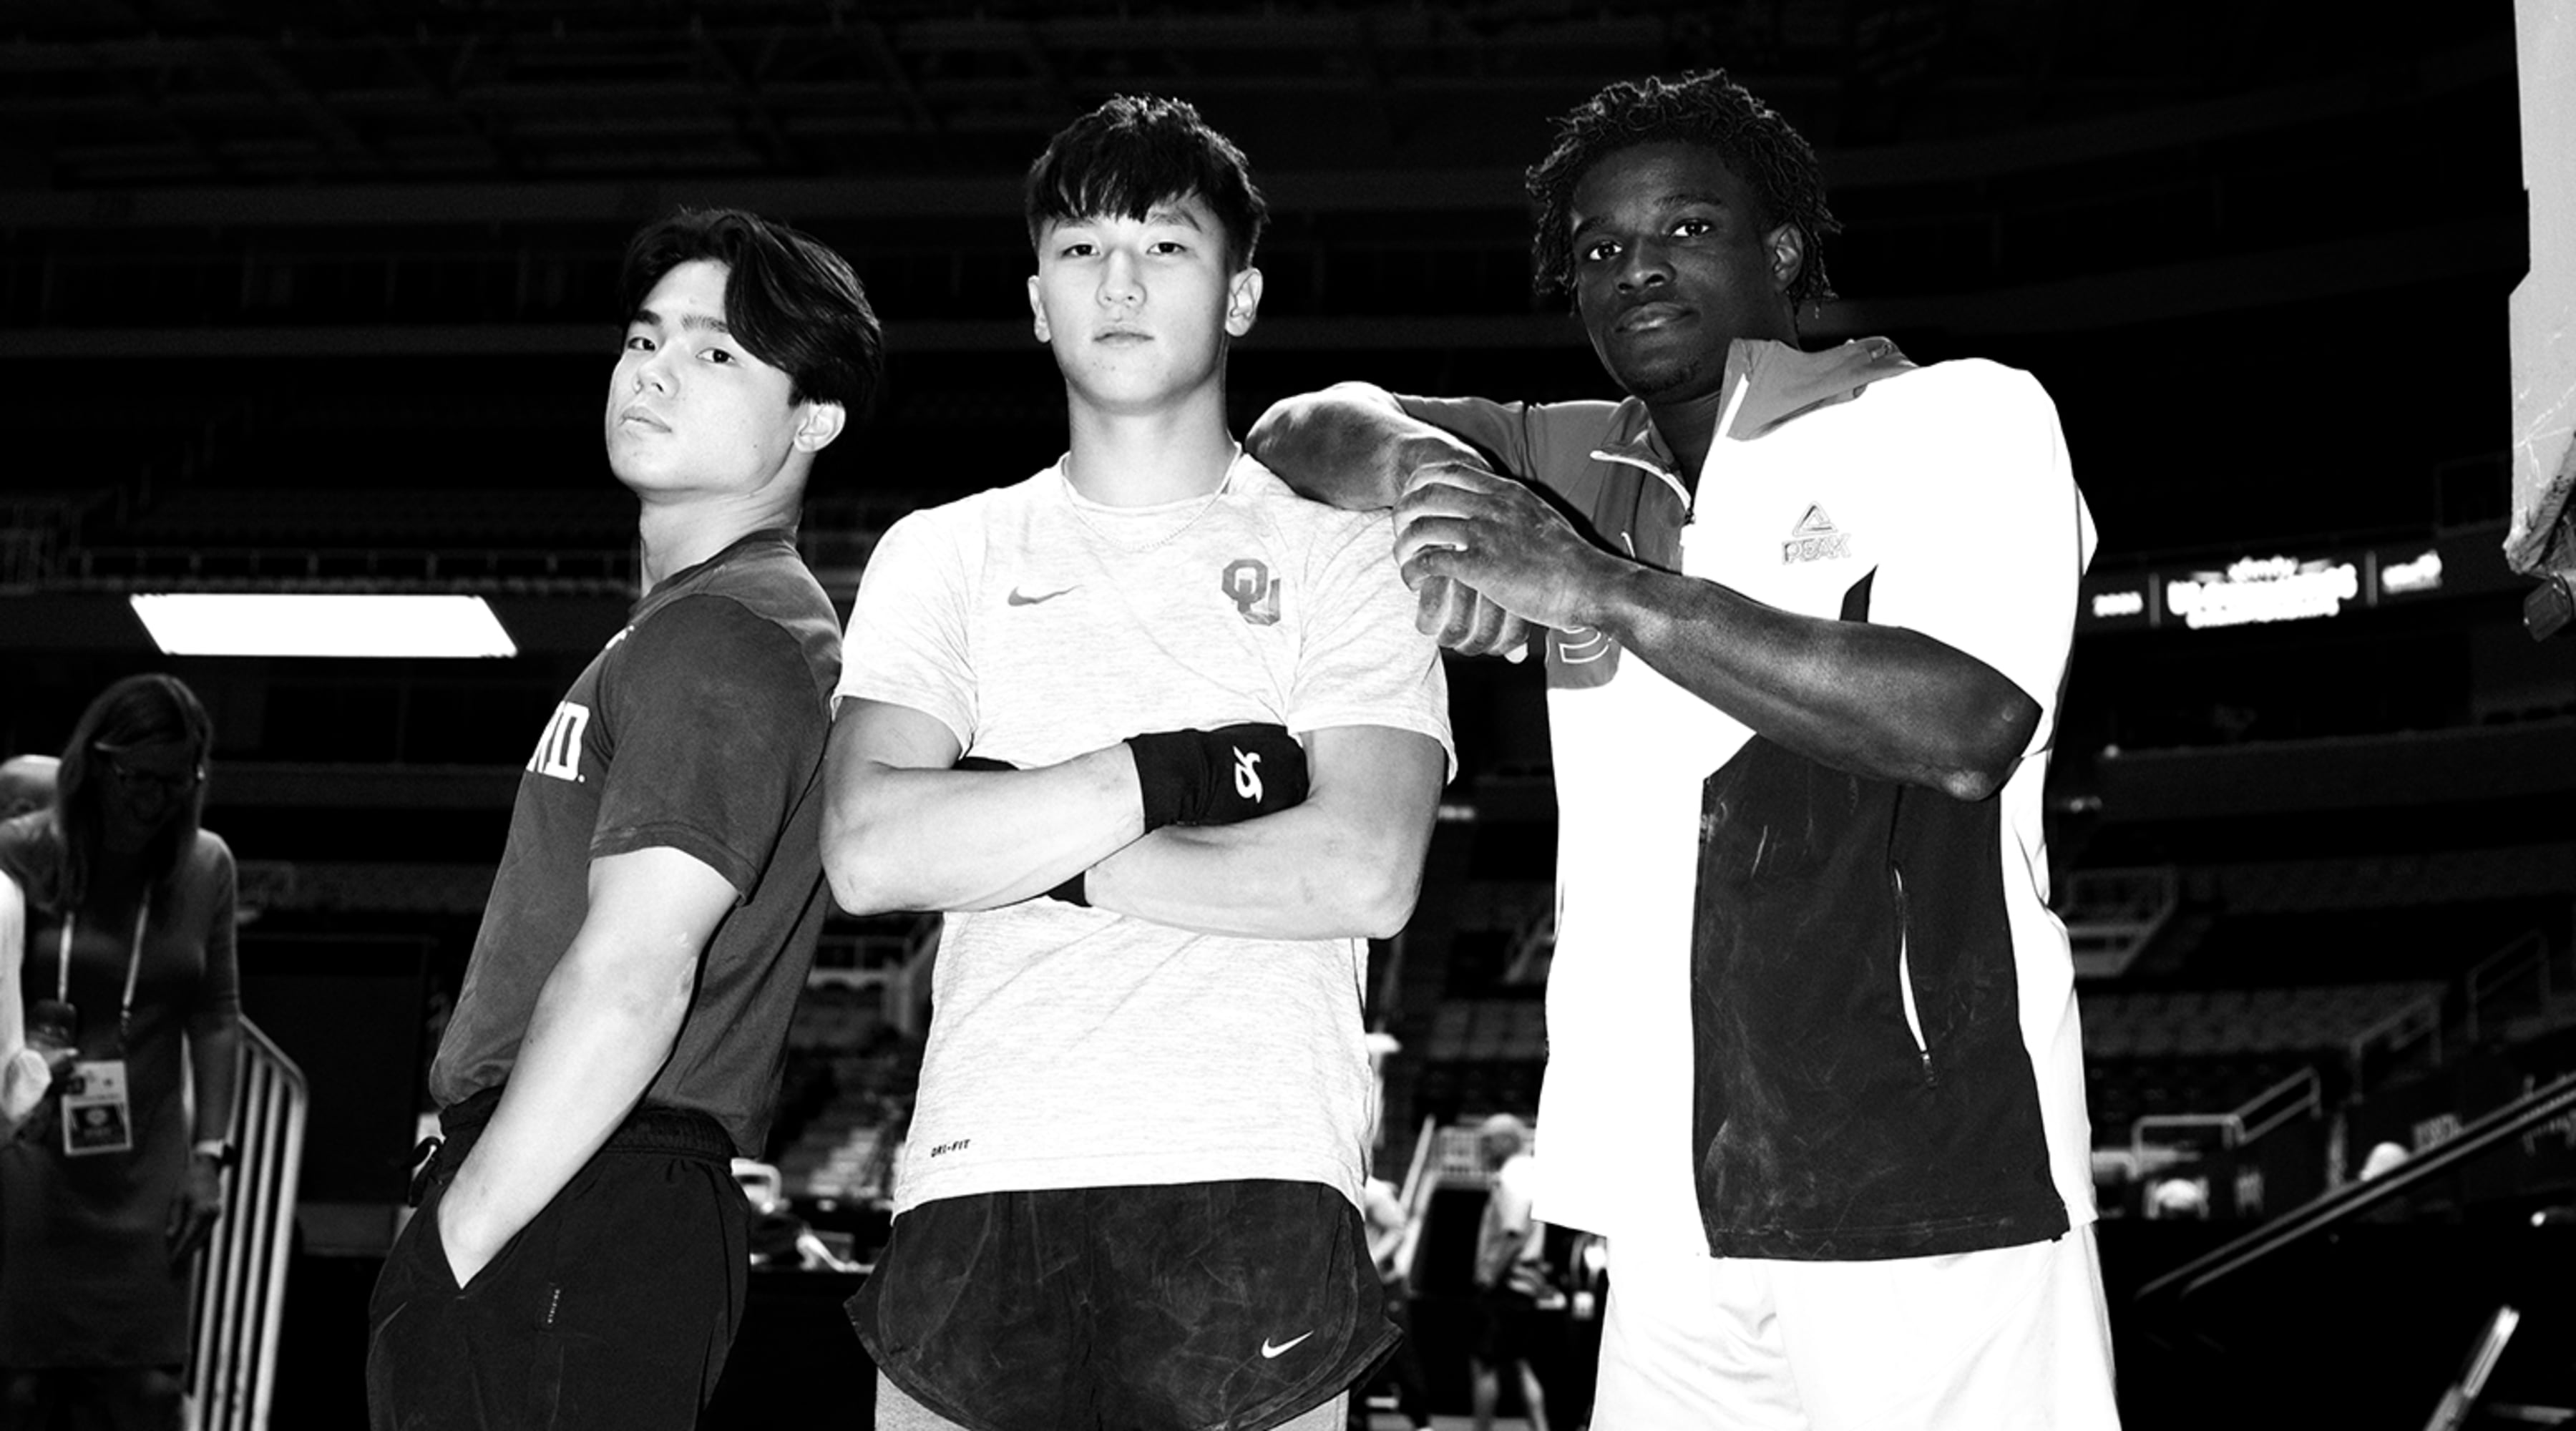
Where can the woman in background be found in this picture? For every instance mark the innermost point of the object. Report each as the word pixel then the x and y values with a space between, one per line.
pixel 110 1189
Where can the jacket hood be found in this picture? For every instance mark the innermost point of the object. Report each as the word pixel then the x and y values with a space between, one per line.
pixel 1768 384
pixel 1772 383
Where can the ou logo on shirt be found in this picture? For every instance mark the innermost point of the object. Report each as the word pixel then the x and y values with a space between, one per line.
pixel 559 749
pixel 1253 590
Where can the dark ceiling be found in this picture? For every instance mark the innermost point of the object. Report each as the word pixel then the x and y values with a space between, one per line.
pixel 366 246
pixel 325 292
pixel 125 96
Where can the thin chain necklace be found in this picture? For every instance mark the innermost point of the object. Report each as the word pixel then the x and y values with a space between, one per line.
pixel 1074 499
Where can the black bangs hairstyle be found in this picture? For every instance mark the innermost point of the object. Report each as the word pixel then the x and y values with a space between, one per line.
pixel 1137 151
pixel 142 710
pixel 1703 107
pixel 794 303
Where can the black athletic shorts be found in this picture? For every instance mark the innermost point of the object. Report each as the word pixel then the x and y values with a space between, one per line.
pixel 1231 1305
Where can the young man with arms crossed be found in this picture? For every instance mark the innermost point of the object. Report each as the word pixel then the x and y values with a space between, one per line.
pixel 579 1256
pixel 1813 1058
pixel 1203 749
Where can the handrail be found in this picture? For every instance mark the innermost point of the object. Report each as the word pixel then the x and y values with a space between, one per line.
pixel 2313 1104
pixel 1532 945
pixel 1416 1198
pixel 2231 1128
pixel 2423 1015
pixel 2461 1396
pixel 241 1280
pixel 2136 889
pixel 862 958
pixel 2238 1126
pixel 2341 1205
pixel 2472 995
pixel 2111 915
pixel 1422 1145
pixel 908 988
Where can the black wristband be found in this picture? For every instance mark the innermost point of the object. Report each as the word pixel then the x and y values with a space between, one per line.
pixel 1164 762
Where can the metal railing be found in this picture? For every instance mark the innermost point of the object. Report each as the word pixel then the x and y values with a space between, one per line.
pixel 2338 1206
pixel 2416 1021
pixel 241 1280
pixel 1533 949
pixel 2299 1093
pixel 2252 1166
pixel 2528 953
pixel 869 957
pixel 908 993
pixel 1419 1180
pixel 30 532
pixel 2111 916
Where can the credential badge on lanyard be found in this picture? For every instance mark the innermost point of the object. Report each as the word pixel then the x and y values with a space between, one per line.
pixel 97 1114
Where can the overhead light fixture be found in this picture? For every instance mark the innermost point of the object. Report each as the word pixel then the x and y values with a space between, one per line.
pixel 202 623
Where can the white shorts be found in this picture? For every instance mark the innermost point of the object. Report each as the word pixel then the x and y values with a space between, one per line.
pixel 2013 1337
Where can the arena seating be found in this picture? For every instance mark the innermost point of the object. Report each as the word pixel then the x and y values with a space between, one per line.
pixel 1487 1031
pixel 846 1094
pixel 600 516
pixel 2157 1023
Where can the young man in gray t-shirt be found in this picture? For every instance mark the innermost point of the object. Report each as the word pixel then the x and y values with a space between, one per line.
pixel 1201 747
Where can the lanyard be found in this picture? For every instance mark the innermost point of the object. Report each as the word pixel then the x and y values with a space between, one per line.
pixel 133 967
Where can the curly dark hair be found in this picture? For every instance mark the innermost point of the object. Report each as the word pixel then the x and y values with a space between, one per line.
pixel 1702 107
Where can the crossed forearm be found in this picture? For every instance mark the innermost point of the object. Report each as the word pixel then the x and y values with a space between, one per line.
pixel 902 839
pixel 1345 862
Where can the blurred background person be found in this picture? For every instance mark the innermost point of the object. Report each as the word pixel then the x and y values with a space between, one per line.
pixel 114 1185
pixel 27 783
pixel 1383 1210
pixel 1512 1285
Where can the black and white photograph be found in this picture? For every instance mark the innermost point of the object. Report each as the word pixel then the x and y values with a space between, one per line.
pixel 1338 715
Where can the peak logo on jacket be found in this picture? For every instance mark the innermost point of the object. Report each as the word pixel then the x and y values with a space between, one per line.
pixel 559 749
pixel 1815 538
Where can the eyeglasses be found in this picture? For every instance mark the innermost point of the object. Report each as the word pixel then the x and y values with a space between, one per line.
pixel 153 782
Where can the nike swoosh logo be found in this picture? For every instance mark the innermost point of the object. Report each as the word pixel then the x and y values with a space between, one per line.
pixel 1268 1351
pixel 1020 598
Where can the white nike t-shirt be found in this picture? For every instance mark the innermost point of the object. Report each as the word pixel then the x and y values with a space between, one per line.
pixel 1071 1047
